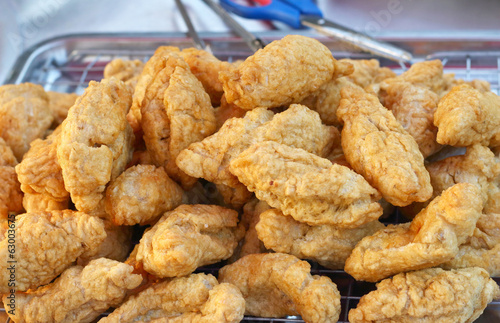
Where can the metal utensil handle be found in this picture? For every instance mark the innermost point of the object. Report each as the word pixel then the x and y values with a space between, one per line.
pixel 253 42
pixel 199 43
pixel 357 39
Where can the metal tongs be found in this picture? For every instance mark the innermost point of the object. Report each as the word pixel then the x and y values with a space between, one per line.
pixel 300 13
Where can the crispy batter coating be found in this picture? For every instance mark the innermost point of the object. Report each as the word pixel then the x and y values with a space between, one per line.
pixel 227 111
pixel 367 71
pixel 7 157
pixel 377 146
pixel 196 298
pixel 41 176
pixel 297 127
pixel 275 285
pixel 116 246
pixel 189 237
pixel 429 295
pixel 127 71
pixel 93 149
pixel 191 116
pixel 327 245
pixel 309 188
pixel 24 115
pixel 466 116
pixel 140 195
pixel 11 196
pixel 469 256
pixel 414 108
pixel 427 74
pixel 81 294
pixel 432 238
pixel 234 197
pixel 206 68
pixel 250 244
pixel 286 71
pixel 59 104
pixel 46 244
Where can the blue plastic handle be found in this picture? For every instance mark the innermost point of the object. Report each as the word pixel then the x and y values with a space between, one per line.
pixel 276 10
pixel 306 7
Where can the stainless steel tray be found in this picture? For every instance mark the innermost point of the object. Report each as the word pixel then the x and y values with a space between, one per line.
pixel 68 63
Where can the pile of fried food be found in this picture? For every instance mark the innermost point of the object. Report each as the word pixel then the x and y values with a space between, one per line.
pixel 290 155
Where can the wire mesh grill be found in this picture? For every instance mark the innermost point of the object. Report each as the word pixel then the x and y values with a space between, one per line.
pixel 71 71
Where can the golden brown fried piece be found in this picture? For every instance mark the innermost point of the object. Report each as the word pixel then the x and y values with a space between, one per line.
pixel 227 111
pixel 326 100
pixel 432 238
pixel 469 256
pixel 427 74
pixel 191 116
pixel 46 244
pixel 276 285
pixel 41 176
pixel 466 116
pixel 59 104
pixel 24 115
pixel 250 244
pixel 327 245
pixel 286 71
pixel 11 196
pixel 206 68
pixel 140 195
pixel 189 237
pixel 297 127
pixel 309 188
pixel 428 296
pixel 377 146
pixel 127 71
pixel 93 149
pixel 80 294
pixel 116 246
pixel 414 108
pixel 196 298
pixel 367 71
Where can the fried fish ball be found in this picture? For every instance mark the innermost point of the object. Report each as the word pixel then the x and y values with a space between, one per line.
pixel 426 74
pixel 309 188
pixel 11 196
pixel 277 284
pixel 432 238
pixel 140 195
pixel 206 68
pixel 80 294
pixel 196 298
pixel 41 176
pixel 189 237
pixel 59 104
pixel 428 295
pixel 46 244
pixel 94 150
pixel 414 108
pixel 367 71
pixel 297 127
pixel 325 244
pixel 377 146
pixel 466 116
pixel 25 115
pixel 286 71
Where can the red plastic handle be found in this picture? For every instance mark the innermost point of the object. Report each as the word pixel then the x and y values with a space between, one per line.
pixel 263 2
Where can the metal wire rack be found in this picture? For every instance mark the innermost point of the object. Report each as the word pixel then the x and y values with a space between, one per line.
pixel 69 64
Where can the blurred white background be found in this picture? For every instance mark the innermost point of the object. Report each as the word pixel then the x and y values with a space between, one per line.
pixel 24 23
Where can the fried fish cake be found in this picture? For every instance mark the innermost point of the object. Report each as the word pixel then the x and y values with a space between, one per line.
pixel 46 244
pixel 327 245
pixel 195 298
pixel 309 188
pixel 80 294
pixel 466 116
pixel 277 284
pixel 432 238
pixel 377 147
pixel 428 295
pixel 189 237
pixel 286 71
pixel 94 150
